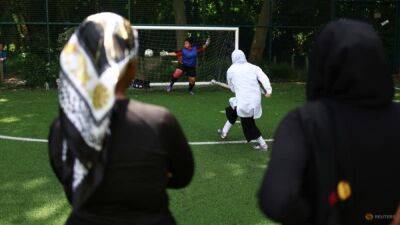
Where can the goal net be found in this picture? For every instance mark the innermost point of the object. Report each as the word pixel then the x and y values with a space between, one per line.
pixel 211 64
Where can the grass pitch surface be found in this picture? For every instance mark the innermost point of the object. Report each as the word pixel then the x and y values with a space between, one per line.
pixel 226 180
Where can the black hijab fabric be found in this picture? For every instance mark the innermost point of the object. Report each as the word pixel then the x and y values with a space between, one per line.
pixel 349 65
pixel 347 132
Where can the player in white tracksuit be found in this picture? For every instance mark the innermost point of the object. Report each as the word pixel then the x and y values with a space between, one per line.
pixel 246 81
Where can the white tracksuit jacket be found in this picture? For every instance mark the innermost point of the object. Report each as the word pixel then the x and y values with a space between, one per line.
pixel 244 79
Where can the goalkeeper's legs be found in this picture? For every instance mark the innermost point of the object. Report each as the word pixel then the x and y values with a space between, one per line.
pixel 175 76
pixel 191 73
pixel 192 82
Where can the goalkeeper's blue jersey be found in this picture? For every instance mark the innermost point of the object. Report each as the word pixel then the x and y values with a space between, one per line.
pixel 188 57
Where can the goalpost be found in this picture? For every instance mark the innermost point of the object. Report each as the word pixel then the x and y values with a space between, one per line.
pixel 211 65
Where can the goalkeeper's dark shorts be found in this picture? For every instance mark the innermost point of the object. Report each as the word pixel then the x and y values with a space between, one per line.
pixel 188 71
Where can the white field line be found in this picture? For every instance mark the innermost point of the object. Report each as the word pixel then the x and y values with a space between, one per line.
pixel 191 143
pixel 223 142
pixel 165 84
pixel 22 139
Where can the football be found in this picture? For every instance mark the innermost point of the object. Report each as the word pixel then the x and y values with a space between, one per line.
pixel 148 53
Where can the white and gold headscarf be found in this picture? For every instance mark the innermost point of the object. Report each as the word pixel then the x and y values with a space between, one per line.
pixel 94 59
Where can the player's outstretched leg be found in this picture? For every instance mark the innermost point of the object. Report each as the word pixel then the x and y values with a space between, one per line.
pixel 192 82
pixel 232 116
pixel 251 132
pixel 261 145
pixel 175 76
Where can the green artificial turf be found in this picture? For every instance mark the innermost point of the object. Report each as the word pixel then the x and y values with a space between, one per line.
pixel 227 177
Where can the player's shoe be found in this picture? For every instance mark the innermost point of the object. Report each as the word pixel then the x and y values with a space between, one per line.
pixel 169 88
pixel 260 147
pixel 221 134
pixel 191 92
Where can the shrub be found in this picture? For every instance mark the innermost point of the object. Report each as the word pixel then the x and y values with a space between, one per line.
pixel 37 71
pixel 14 64
pixel 64 37
pixel 54 71
pixel 280 72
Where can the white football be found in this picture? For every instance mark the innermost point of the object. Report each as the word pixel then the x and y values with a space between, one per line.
pixel 148 53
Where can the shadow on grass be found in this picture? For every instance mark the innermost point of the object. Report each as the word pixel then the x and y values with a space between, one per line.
pixel 222 192
pixel 30 193
pixel 224 188
pixel 27 113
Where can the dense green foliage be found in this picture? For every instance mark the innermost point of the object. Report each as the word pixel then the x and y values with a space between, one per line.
pixel 33 28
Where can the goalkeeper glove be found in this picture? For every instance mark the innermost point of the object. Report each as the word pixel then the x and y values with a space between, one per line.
pixel 207 42
pixel 163 53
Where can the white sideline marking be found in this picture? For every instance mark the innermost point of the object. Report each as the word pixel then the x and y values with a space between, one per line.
pixel 191 143
pixel 165 84
pixel 22 139
pixel 224 142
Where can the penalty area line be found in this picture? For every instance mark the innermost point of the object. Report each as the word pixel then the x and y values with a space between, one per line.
pixel 3 137
pixel 22 139
pixel 224 142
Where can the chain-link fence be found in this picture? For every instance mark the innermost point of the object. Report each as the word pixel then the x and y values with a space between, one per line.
pixel 34 31
pixel 293 26
pixel 383 15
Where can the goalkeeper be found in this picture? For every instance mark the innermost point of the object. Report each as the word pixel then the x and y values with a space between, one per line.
pixel 187 63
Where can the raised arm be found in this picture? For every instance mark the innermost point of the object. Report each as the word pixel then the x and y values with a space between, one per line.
pixel 264 81
pixel 171 53
pixel 180 158
pixel 206 44
pixel 176 53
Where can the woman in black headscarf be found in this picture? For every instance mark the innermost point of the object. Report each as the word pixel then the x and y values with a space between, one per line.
pixel 114 157
pixel 335 160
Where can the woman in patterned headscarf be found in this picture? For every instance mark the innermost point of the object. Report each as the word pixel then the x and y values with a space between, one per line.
pixel 114 157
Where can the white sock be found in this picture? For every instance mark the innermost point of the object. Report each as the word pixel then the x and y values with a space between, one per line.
pixel 226 128
pixel 261 141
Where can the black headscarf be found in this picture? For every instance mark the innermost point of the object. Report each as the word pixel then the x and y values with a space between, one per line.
pixel 349 64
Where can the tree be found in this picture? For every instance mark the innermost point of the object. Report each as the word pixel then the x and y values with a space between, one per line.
pixel 260 35
pixel 180 19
